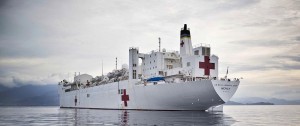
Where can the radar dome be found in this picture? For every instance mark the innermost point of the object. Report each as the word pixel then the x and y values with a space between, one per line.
pixel 124 66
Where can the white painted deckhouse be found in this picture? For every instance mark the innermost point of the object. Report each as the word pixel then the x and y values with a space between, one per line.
pixel 163 80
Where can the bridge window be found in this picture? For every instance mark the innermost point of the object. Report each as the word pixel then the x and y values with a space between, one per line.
pixel 188 64
pixel 170 66
pixel 160 72
pixel 134 74
pixel 206 51
pixel 196 52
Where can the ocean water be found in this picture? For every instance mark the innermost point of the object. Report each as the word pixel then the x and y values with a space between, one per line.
pixel 281 115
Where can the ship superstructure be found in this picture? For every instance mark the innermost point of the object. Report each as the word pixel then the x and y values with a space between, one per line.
pixel 164 80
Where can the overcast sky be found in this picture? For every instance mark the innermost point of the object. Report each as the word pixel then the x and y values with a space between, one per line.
pixel 44 41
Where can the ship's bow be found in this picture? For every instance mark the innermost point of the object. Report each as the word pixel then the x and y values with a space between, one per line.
pixel 225 88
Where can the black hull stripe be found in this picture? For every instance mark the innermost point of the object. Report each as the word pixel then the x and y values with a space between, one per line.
pixel 128 109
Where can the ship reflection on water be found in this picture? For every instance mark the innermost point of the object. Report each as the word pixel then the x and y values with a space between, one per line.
pixel 133 117
pixel 243 115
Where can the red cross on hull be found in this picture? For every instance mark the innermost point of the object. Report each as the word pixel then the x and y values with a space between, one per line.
pixel 206 65
pixel 125 97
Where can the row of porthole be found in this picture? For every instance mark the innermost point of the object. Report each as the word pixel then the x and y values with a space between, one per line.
pixel 150 62
pixel 151 54
pixel 150 68
pixel 163 54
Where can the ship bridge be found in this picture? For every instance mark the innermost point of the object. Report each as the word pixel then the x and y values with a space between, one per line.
pixel 193 61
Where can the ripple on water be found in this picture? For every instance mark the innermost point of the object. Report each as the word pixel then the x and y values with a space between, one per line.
pixel 232 115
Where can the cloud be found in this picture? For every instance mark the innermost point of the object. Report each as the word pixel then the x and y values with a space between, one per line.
pixel 259 40
pixel 297 38
pixel 265 43
pixel 236 4
pixel 266 54
pixel 293 58
pixel 263 23
pixel 18 79
pixel 288 92
pixel 268 91
pixel 275 62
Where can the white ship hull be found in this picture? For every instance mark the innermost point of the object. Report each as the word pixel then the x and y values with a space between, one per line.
pixel 192 95
pixel 169 78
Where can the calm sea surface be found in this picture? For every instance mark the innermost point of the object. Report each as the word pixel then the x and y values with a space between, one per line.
pixel 281 115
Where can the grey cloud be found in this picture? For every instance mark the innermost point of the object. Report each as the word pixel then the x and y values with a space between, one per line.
pixel 236 4
pixel 285 22
pixel 290 55
pixel 12 50
pixel 273 63
pixel 288 90
pixel 272 90
pixel 288 67
pixel 20 80
pixel 217 8
pixel 291 58
pixel 289 41
pixel 266 22
pixel 297 38
pixel 280 21
pixel 265 67
pixel 288 22
pixel 263 42
pixel 256 67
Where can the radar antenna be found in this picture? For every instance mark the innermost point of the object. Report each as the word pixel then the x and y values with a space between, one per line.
pixel 226 73
pixel 102 67
pixel 158 44
pixel 116 63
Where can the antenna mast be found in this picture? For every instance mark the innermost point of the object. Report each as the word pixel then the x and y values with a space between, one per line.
pixel 116 63
pixel 159 44
pixel 102 67
pixel 226 73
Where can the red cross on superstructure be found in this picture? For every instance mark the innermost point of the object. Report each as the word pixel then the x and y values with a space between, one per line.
pixel 206 65
pixel 182 43
pixel 125 97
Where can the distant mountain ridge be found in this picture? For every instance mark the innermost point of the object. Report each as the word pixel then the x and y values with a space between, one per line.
pixel 256 103
pixel 31 95
pixel 3 88
pixel 276 101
